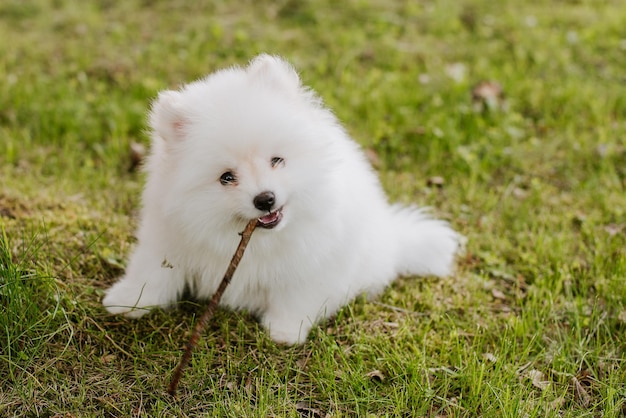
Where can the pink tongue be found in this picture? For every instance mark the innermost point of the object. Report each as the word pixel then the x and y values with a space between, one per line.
pixel 269 218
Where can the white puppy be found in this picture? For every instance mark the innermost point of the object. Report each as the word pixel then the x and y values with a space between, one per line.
pixel 249 143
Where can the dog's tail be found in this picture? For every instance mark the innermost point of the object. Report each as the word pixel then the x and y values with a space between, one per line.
pixel 426 246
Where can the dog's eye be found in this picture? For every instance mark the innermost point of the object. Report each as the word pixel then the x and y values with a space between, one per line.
pixel 276 160
pixel 228 178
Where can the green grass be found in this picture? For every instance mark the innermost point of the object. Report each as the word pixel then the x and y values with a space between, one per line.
pixel 533 323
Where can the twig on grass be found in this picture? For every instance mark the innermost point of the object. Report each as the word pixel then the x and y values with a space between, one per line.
pixel 210 311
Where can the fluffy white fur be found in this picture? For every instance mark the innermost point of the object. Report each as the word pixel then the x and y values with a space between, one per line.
pixel 338 236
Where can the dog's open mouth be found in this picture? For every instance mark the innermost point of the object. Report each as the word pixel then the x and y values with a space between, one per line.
pixel 272 219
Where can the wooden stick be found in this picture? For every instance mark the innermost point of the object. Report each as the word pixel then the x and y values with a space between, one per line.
pixel 210 311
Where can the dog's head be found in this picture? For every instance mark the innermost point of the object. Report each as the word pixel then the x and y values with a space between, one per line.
pixel 244 143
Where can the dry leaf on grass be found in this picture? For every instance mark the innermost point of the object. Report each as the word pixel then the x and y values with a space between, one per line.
pixel 490 357
pixel 498 294
pixel 376 375
pixel 614 229
pixel 373 157
pixel 580 385
pixel 488 95
pixel 305 410
pixel 435 181
pixel 580 392
pixel 537 378
pixel 136 156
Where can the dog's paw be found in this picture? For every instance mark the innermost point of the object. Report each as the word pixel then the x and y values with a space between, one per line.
pixel 122 299
pixel 287 331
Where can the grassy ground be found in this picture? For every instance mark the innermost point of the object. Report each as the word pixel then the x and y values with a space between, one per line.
pixel 533 324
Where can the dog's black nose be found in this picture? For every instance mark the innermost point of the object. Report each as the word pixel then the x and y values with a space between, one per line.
pixel 264 201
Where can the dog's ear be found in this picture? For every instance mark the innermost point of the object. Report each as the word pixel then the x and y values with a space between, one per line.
pixel 167 117
pixel 274 71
